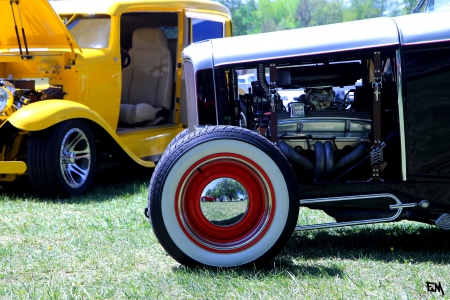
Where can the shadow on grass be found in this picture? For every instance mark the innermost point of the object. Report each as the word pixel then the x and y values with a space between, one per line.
pixel 277 267
pixel 405 241
pixel 108 184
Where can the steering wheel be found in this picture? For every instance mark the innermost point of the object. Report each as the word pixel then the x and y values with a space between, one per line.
pixel 125 57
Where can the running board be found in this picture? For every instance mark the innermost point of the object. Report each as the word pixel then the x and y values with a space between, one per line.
pixel 399 206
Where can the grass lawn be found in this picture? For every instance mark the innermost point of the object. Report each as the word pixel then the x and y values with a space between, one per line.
pixel 100 246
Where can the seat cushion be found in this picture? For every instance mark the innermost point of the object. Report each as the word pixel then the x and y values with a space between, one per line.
pixel 136 113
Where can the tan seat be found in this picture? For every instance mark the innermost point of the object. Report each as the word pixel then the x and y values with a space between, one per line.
pixel 147 81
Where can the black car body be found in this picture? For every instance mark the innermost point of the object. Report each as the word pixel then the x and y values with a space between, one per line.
pixel 382 156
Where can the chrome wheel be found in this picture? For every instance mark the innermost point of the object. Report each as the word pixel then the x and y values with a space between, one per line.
pixel 75 158
pixel 233 229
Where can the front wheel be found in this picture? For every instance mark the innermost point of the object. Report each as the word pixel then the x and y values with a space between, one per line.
pixel 62 159
pixel 178 137
pixel 223 234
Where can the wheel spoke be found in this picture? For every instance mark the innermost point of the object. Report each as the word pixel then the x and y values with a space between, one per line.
pixel 81 172
pixel 68 176
pixel 83 156
pixel 72 144
pixel 72 168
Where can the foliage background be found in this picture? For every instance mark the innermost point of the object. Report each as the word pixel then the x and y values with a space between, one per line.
pixel 256 16
pixel 228 188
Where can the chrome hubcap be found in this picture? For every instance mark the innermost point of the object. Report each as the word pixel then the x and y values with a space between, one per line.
pixel 231 202
pixel 75 158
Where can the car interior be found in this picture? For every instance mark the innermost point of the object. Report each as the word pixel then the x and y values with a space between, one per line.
pixel 149 50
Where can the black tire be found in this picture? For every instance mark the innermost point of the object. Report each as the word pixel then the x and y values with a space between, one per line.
pixel 189 165
pixel 55 171
pixel 178 137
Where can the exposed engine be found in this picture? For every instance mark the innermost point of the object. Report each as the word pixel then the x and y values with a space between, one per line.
pixel 24 92
pixel 325 142
pixel 316 133
pixel 318 98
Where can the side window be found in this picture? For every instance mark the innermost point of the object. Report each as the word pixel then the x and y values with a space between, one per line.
pixel 167 21
pixel 428 111
pixel 205 29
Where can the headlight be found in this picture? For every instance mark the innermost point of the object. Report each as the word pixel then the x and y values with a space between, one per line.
pixel 5 99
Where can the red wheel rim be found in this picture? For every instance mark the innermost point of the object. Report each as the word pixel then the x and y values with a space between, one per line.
pixel 253 224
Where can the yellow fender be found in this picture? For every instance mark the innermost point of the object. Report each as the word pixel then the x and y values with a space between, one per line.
pixel 43 114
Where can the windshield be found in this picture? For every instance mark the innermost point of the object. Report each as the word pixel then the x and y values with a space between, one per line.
pixel 91 31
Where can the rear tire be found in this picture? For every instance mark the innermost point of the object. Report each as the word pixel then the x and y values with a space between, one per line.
pixel 62 159
pixel 186 169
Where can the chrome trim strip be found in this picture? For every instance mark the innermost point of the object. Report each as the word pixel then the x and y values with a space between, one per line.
pixel 406 205
pixel 213 70
pixel 190 81
pixel 398 206
pixel 345 198
pixel 401 113
pixel 427 42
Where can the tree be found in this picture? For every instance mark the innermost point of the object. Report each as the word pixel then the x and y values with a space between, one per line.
pixel 255 16
pixel 209 192
pixel 229 188
pixel 408 6
pixel 331 12
pixel 306 10
pixel 365 9
pixel 245 15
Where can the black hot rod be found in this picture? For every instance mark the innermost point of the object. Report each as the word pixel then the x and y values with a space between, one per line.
pixel 378 154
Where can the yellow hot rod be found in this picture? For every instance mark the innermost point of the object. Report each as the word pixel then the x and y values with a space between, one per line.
pixel 80 79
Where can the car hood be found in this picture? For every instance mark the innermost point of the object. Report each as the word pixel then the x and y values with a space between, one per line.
pixel 36 18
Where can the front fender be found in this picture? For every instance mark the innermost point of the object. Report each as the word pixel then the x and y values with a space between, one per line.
pixel 43 114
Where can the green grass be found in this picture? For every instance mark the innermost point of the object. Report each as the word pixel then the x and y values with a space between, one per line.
pixel 100 246
pixel 224 213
